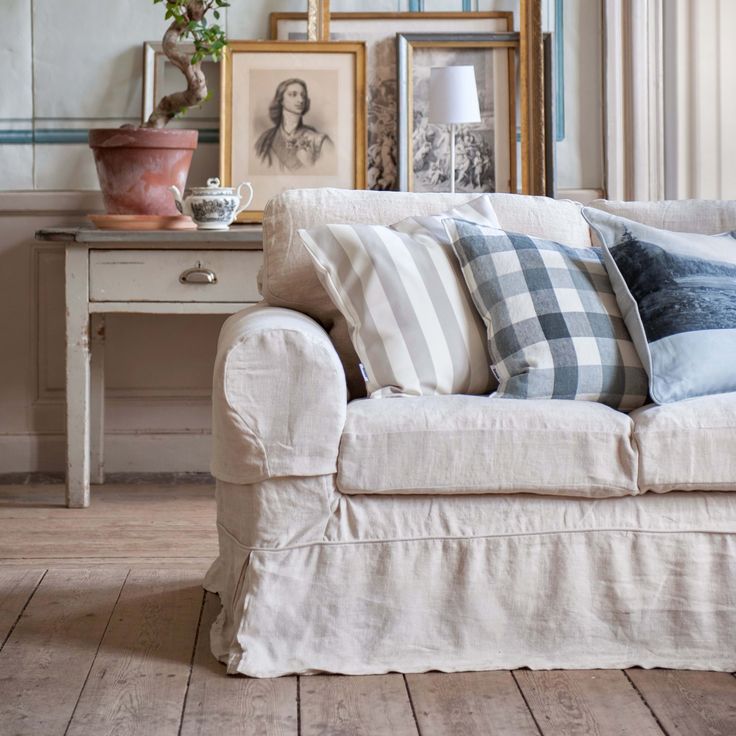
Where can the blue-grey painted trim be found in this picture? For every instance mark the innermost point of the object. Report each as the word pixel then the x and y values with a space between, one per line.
pixel 60 135
pixel 16 137
pixel 559 71
pixel 416 6
pixel 72 136
pixel 466 6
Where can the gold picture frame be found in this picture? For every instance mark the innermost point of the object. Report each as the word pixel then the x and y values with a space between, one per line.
pixel 318 20
pixel 497 83
pixel 378 30
pixel 531 58
pixel 323 145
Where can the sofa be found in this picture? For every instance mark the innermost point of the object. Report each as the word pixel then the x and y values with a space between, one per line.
pixel 452 533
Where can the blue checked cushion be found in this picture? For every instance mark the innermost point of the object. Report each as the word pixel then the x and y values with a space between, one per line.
pixel 554 328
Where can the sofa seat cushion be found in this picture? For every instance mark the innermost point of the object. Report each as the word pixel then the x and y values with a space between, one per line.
pixel 473 444
pixel 687 445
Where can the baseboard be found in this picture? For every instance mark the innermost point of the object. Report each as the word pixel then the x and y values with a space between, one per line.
pixel 136 479
pixel 124 453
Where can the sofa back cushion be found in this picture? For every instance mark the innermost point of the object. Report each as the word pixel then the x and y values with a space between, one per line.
pixel 289 278
pixel 705 216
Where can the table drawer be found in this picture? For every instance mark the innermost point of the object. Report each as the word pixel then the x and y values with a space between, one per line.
pixel 174 275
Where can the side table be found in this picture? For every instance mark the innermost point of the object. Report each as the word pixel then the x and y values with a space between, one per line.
pixel 137 272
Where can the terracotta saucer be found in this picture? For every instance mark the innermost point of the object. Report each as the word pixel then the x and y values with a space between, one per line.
pixel 142 222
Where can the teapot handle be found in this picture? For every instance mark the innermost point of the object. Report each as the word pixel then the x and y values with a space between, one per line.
pixel 177 198
pixel 245 205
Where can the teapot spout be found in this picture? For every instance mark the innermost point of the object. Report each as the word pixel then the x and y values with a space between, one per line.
pixel 177 198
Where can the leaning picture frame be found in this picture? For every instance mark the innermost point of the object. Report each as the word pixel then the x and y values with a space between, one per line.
pixel 378 31
pixel 486 151
pixel 292 115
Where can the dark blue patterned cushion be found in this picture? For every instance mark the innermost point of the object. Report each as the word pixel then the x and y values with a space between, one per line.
pixel 677 292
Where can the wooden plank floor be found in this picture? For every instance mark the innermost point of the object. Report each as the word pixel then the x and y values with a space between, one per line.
pixel 104 629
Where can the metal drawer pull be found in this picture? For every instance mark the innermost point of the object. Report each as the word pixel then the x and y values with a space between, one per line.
pixel 198 276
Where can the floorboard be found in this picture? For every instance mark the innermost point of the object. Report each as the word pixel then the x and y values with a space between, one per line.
pixel 16 588
pixel 178 522
pixel 577 703
pixel 469 703
pixel 139 679
pixel 218 705
pixel 355 706
pixel 689 703
pixel 47 658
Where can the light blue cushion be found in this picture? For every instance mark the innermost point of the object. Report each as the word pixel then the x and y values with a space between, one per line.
pixel 677 294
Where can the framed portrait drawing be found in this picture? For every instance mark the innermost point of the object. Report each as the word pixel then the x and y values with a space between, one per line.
pixel 378 31
pixel 486 151
pixel 293 115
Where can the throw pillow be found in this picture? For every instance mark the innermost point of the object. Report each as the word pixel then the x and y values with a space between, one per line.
pixel 677 292
pixel 554 328
pixel 410 318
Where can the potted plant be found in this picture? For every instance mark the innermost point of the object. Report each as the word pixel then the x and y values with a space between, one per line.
pixel 137 165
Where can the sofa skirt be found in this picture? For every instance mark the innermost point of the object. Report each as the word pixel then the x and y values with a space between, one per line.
pixel 469 583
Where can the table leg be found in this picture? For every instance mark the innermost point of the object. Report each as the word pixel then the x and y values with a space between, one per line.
pixel 97 398
pixel 77 377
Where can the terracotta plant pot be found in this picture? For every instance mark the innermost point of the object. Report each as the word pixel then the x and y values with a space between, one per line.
pixel 136 167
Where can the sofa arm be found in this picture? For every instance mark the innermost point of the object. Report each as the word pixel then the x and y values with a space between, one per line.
pixel 278 397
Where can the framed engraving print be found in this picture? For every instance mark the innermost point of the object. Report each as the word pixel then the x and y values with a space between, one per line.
pixel 293 115
pixel 486 151
pixel 379 30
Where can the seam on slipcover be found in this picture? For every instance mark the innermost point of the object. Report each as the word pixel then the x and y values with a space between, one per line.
pixel 482 430
pixel 231 406
pixel 719 486
pixel 414 491
pixel 401 540
pixel 636 444
pixel 251 480
pixel 683 430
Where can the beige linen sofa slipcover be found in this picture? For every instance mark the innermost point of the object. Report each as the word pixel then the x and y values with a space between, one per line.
pixel 456 533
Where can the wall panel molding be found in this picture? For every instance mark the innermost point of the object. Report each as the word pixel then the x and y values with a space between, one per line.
pixel 124 452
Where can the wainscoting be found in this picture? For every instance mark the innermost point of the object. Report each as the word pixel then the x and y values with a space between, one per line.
pixel 158 369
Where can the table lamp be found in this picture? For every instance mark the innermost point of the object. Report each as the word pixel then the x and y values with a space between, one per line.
pixel 453 99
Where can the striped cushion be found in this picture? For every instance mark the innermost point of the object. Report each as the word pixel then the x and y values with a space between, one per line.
pixel 410 317
pixel 554 328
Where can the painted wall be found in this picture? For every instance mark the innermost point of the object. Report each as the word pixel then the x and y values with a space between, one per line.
pixel 78 64
pixel 700 104
pixel 74 65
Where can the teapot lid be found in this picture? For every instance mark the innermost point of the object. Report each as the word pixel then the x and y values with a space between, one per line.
pixel 213 187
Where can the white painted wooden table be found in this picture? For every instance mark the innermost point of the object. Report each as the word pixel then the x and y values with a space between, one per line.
pixel 156 272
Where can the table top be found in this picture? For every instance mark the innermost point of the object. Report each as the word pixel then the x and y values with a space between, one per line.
pixel 241 235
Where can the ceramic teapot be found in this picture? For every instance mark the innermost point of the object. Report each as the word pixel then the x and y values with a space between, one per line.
pixel 212 207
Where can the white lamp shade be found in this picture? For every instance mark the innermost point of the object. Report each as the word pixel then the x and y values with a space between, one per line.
pixel 453 95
